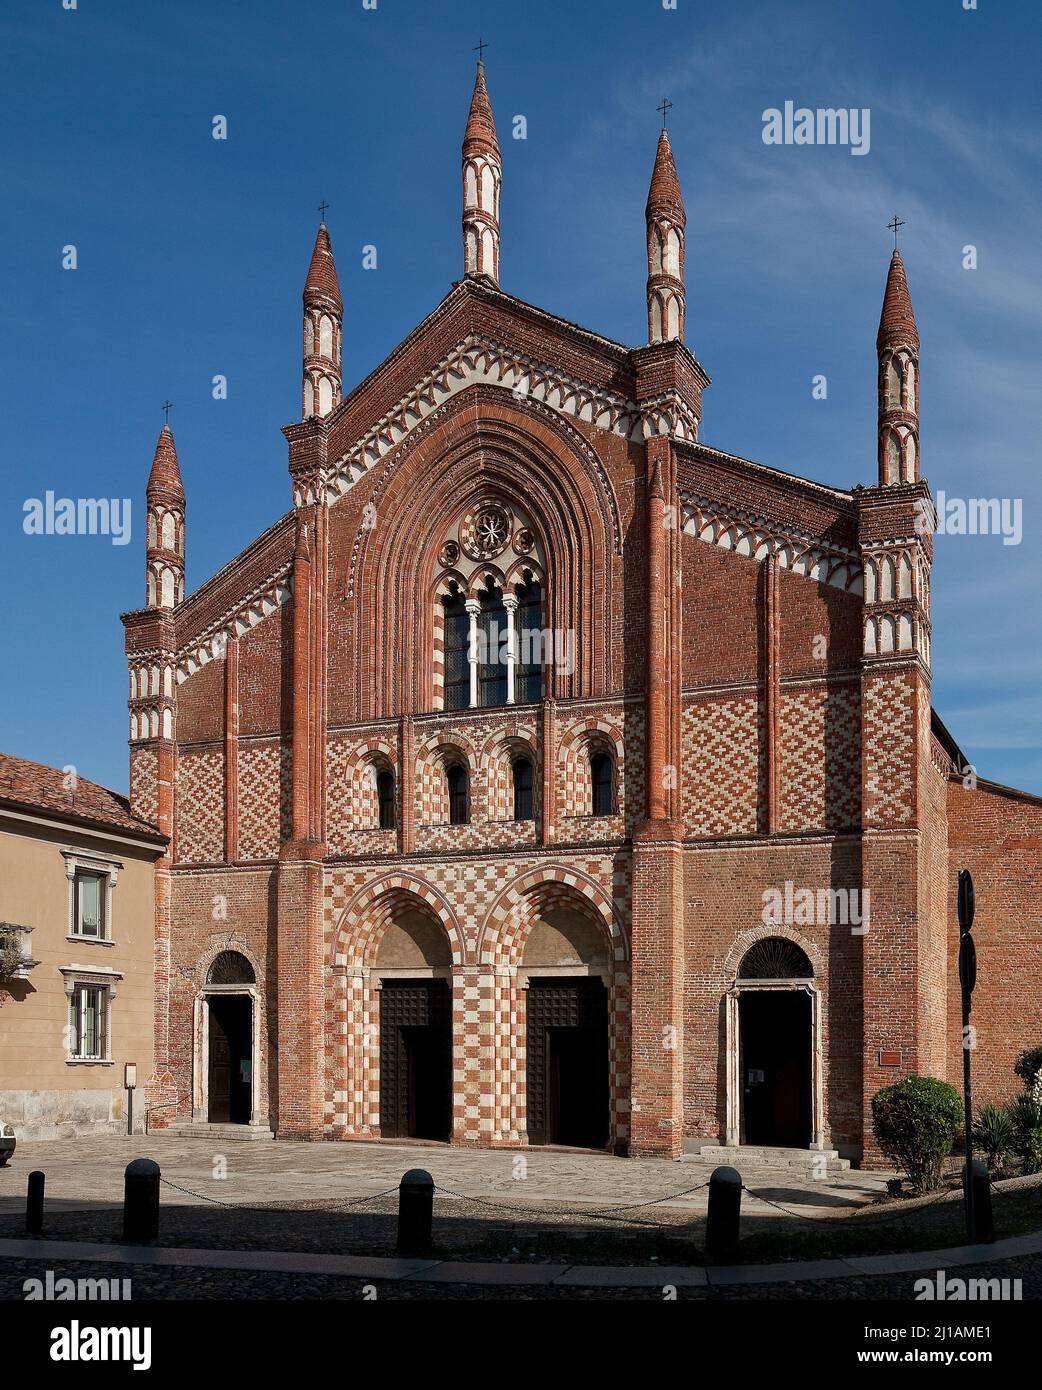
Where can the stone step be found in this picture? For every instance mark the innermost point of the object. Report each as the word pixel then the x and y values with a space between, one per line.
pixel 763 1156
pixel 201 1129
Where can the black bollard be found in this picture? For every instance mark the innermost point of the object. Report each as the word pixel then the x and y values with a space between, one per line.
pixel 34 1204
pixel 724 1217
pixel 141 1201
pixel 983 1231
pixel 415 1212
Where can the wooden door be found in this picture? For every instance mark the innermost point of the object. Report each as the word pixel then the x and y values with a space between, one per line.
pixel 568 1064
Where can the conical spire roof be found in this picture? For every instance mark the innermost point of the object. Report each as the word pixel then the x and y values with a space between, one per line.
pixel 166 472
pixel 897 321
pixel 322 282
pixel 664 195
pixel 481 124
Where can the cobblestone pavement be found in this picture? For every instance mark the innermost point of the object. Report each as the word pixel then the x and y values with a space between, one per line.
pixel 90 1171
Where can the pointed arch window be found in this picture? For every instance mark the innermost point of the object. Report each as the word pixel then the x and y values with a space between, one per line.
pixel 522 772
pixel 456 645
pixel 492 631
pixel 528 673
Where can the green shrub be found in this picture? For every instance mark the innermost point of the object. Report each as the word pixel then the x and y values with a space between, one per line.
pixel 915 1123
pixel 1028 1065
pixel 1025 1117
pixel 994 1135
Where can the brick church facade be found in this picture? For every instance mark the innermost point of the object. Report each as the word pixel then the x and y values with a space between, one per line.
pixel 546 775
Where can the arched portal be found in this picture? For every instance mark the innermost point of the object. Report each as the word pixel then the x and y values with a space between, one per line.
pixel 227 1042
pixel 412 970
pixel 774 1048
pixel 565 972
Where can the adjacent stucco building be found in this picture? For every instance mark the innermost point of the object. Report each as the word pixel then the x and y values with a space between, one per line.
pixel 77 915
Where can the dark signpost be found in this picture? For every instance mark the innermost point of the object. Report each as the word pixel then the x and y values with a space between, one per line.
pixel 967 979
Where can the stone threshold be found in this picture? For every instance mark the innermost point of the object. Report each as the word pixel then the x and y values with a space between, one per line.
pixel 435 1271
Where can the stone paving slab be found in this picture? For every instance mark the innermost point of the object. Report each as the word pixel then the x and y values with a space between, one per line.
pixel 90 1170
pixel 507 1274
pixel 634 1277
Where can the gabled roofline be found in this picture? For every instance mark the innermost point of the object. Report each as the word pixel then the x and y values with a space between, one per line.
pixel 686 449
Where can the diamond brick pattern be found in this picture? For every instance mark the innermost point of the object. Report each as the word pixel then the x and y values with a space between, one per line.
pixel 889 717
pixel 144 784
pixel 200 794
pixel 724 780
pixel 265 799
pixel 821 758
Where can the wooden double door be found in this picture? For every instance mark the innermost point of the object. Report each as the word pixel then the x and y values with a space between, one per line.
pixel 567 1062
pixel 416 1059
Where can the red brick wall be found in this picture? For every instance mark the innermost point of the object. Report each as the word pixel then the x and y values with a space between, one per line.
pixel 997 835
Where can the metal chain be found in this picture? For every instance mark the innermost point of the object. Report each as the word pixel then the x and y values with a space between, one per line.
pixel 574 1211
pixel 244 1206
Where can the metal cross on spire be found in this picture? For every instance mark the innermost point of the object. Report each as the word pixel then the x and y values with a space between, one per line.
pixel 322 209
pixel 479 49
pixel 664 108
pixel 893 225
pixel 167 407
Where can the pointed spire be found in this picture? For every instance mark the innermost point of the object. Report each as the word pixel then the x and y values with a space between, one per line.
pixel 165 537
pixel 664 196
pixel 482 181
pixel 165 475
pixel 897 347
pixel 897 320
pixel 481 123
pixel 323 330
pixel 322 285
pixel 666 221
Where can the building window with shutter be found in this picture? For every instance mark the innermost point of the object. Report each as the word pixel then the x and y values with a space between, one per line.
pixel 89 905
pixel 88 1023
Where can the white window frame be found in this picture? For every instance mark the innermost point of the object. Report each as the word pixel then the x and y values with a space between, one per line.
pixel 101 866
pixel 105 981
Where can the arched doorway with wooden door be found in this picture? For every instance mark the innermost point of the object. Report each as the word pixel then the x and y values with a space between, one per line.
pixel 774 1049
pixel 412 980
pixel 565 978
pixel 227 1042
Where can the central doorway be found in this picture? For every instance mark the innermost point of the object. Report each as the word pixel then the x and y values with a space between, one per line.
pixel 416 1059
pixel 567 1061
pixel 230 1063
pixel 775 1067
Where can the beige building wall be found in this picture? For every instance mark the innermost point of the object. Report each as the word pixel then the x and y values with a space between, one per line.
pixel 43 1093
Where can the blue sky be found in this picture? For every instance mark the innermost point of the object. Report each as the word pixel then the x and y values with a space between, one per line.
pixel 192 253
